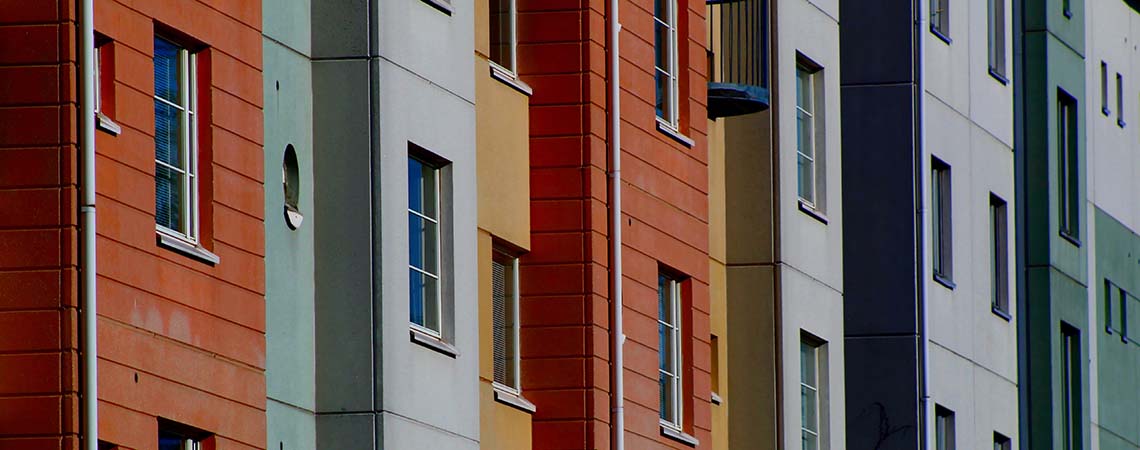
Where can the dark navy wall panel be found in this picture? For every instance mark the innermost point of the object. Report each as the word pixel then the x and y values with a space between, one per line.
pixel 875 39
pixel 882 393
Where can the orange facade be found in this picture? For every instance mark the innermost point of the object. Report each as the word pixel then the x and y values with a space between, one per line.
pixel 565 277
pixel 181 340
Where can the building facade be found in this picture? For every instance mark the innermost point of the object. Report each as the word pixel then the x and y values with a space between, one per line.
pixel 178 238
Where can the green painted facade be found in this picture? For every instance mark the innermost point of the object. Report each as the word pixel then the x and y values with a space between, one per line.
pixel 1118 333
pixel 1055 266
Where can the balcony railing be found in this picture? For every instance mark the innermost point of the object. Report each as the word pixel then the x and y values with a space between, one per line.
pixel 738 59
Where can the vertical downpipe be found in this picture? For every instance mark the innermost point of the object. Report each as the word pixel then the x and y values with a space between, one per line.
pixel 922 172
pixel 617 335
pixel 89 347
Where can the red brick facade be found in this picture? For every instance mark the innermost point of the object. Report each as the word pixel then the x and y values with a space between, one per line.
pixel 179 339
pixel 565 278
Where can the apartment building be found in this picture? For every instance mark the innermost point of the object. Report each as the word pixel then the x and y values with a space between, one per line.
pixel 174 255
pixel 1080 257
pixel 930 312
pixel 373 230
pixel 777 225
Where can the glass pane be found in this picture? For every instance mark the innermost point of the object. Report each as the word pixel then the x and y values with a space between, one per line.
pixel 422 188
pixel 806 182
pixel 167 67
pixel 809 419
pixel 168 441
pixel 424 302
pixel 663 351
pixel 167 134
pixel 501 40
pixel 661 9
pixel 804 133
pixel 811 441
pixel 169 193
pixel 665 386
pixel 803 89
pixel 661 46
pixel 422 237
pixel 662 104
pixel 807 364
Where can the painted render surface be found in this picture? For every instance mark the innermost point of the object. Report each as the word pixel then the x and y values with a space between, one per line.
pixel 290 374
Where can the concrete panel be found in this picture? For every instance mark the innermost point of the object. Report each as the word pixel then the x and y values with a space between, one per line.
pixel 358 431
pixel 289 22
pixel 400 433
pixel 344 307
pixel 878 191
pixel 882 393
pixel 443 50
pixel 341 28
pixel 810 306
pixel 290 428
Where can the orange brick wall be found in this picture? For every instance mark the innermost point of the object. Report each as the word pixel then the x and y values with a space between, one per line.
pixel 38 344
pixel 565 306
pixel 178 338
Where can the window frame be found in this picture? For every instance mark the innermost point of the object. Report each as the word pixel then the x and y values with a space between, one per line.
pixel 1002 442
pixel 512 11
pixel 437 299
pixel 671 109
pixel 671 418
pixel 1068 167
pixel 1120 100
pixel 188 145
pixel 816 349
pixel 809 83
pixel 1104 109
pixel 941 222
pixel 945 433
pixel 997 41
pixel 1072 408
pixel 513 385
pixel 999 256
pixel 940 19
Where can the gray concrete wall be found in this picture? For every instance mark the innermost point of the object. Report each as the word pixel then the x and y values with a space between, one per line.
pixel 386 75
pixel 289 282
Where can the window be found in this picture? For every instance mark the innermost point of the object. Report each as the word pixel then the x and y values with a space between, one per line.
pixel 665 48
pixel 810 165
pixel 1068 181
pixel 999 258
pixel 505 317
pixel 940 18
pixel 1119 100
pixel 1115 310
pixel 941 238
pixel 503 26
pixel 810 393
pixel 291 184
pixel 168 440
pixel 175 140
pixel 1104 89
pixel 1001 442
pixel 997 39
pixel 943 428
pixel 1067 8
pixel 424 245
pixel 669 349
pixel 1071 408
pixel 715 375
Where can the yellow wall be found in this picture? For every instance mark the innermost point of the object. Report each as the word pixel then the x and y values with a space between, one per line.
pixel 718 284
pixel 502 146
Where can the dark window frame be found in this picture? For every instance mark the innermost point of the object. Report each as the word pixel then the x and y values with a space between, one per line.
pixel 942 223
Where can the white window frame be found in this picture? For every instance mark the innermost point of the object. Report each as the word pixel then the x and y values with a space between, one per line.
pixel 671 119
pixel 673 417
pixel 515 386
pixel 97 88
pixel 188 129
pixel 815 387
pixel 814 153
pixel 514 63
pixel 438 297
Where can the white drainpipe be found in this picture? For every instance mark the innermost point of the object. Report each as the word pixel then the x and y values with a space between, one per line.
pixel 923 179
pixel 89 347
pixel 617 335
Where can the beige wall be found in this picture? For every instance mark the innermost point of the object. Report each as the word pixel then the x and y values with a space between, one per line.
pixel 718 284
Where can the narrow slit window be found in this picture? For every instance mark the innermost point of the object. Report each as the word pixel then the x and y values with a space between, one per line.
pixel 505 318
pixel 997 38
pixel 810 161
pixel 1072 415
pixel 941 221
pixel 665 61
pixel 424 246
pixel 999 256
pixel 944 433
pixel 1068 165
pixel 669 350
pixel 940 18
pixel 811 392
pixel 1104 89
pixel 1120 100
pixel 503 29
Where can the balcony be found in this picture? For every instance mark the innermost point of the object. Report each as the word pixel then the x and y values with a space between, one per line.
pixel 738 57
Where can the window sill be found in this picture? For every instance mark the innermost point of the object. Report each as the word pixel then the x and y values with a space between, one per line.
pixel 186 248
pixel 945 281
pixel 1072 239
pixel 715 398
pixel 1107 112
pixel 514 400
pixel 674 133
pixel 105 123
pixel 443 6
pixel 811 211
pixel 1120 123
pixel 999 77
pixel 944 37
pixel 677 435
pixel 1068 14
pixel 1001 313
pixel 433 343
pixel 510 79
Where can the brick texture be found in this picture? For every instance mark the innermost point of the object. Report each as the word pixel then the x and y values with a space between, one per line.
pixel 565 277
